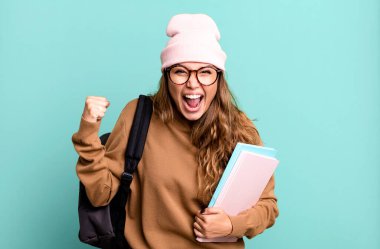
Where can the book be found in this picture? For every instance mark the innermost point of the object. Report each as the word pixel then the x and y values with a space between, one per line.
pixel 243 181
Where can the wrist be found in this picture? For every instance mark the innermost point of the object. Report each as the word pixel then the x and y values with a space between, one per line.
pixel 230 226
pixel 91 120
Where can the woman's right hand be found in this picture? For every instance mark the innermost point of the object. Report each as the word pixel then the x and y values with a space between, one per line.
pixel 95 108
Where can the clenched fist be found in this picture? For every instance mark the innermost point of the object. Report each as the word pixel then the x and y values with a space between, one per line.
pixel 95 108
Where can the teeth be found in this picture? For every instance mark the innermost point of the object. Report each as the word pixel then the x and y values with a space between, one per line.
pixel 193 96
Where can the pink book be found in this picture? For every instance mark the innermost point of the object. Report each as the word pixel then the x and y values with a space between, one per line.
pixel 244 186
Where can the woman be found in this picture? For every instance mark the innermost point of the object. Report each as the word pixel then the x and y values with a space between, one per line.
pixel 193 131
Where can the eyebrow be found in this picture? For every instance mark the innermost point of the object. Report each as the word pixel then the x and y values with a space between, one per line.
pixel 207 65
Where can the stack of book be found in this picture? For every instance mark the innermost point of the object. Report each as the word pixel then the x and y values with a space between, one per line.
pixel 246 175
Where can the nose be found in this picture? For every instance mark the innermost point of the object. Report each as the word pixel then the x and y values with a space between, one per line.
pixel 192 82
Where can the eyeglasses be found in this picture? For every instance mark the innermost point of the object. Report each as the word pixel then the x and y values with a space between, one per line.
pixel 179 74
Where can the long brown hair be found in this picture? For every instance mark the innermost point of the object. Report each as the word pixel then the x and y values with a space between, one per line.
pixel 216 133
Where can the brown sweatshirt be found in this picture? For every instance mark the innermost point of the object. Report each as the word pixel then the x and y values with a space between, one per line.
pixel 163 200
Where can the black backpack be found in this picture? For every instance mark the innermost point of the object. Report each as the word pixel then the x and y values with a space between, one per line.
pixel 103 227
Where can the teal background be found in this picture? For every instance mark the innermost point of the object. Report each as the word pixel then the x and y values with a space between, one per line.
pixel 307 70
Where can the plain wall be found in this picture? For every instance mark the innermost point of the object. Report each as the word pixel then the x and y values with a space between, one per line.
pixel 307 70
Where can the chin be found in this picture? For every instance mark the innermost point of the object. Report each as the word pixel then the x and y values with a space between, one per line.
pixel 192 116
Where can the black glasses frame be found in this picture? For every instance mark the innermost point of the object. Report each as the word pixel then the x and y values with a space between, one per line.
pixel 167 71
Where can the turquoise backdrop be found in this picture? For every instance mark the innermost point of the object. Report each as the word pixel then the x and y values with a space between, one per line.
pixel 307 70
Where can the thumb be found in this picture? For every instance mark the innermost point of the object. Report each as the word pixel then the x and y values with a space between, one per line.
pixel 212 210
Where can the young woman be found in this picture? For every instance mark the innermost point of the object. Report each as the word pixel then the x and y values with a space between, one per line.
pixel 193 131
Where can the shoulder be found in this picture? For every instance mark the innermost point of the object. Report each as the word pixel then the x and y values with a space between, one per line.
pixel 129 109
pixel 125 119
pixel 131 105
pixel 127 114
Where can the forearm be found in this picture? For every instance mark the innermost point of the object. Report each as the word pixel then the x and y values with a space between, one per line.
pixel 99 167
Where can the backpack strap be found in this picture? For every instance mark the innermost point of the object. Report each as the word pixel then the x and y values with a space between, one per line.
pixel 136 141
pixel 135 147
pixel 137 135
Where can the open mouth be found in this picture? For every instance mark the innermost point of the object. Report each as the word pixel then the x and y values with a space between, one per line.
pixel 193 100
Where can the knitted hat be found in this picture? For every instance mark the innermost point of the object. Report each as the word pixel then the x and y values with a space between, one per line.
pixel 193 38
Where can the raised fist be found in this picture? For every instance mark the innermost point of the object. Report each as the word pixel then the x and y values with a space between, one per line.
pixel 95 108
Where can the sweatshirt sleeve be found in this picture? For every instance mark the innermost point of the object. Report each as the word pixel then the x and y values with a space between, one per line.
pixel 99 167
pixel 256 219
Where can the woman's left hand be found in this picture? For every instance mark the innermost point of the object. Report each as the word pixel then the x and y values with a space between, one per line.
pixel 212 223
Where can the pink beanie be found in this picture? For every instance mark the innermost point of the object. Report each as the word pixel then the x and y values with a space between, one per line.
pixel 193 38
